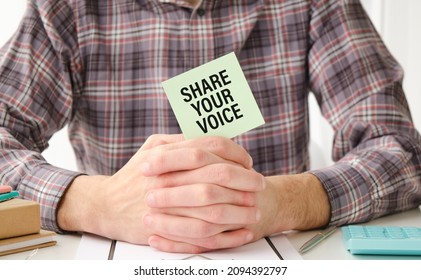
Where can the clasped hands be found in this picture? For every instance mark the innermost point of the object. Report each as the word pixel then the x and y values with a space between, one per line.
pixel 180 196
pixel 192 196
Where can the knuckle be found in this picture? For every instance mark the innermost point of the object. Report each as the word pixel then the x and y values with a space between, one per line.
pixel 248 198
pixel 197 156
pixel 217 144
pixel 202 230
pixel 155 140
pixel 208 194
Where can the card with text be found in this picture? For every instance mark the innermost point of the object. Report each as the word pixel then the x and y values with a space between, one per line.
pixel 213 99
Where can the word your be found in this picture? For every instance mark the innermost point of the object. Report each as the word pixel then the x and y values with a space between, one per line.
pixel 211 96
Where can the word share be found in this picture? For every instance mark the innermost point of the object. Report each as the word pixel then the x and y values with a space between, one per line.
pixel 213 99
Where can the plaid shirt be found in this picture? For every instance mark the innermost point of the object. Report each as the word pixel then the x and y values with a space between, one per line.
pixel 98 66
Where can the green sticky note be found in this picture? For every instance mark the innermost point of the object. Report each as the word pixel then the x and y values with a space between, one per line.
pixel 213 99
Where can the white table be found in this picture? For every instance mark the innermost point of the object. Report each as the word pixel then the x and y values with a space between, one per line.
pixel 330 249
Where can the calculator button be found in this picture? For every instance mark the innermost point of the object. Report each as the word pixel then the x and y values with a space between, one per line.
pixel 413 232
pixel 393 232
pixel 357 232
pixel 376 232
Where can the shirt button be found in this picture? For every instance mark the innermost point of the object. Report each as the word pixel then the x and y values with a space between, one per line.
pixel 201 12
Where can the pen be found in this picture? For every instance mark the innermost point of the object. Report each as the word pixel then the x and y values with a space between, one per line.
pixel 319 237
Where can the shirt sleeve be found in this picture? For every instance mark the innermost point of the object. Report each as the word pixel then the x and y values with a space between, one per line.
pixel 38 85
pixel 358 85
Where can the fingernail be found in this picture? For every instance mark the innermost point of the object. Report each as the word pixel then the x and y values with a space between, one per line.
pixel 250 161
pixel 258 215
pixel 249 237
pixel 263 182
pixel 150 200
pixel 153 242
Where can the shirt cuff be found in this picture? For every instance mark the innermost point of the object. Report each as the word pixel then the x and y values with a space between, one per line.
pixel 348 192
pixel 47 184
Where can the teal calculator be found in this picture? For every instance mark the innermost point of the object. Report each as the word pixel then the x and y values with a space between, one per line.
pixel 382 240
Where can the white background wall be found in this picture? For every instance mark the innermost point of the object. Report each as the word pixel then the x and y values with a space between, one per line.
pixel 397 21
